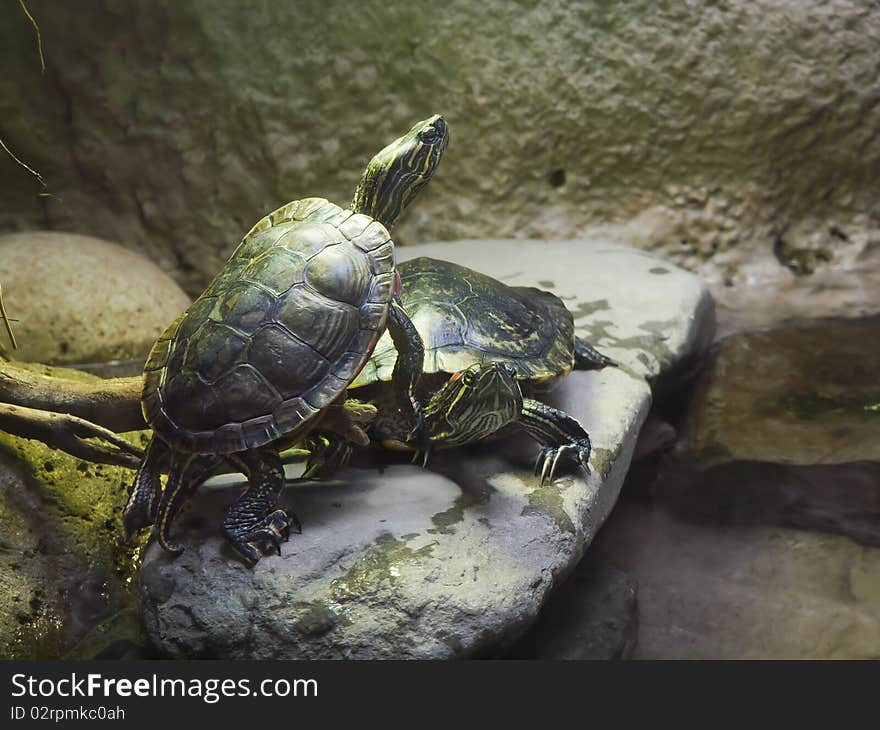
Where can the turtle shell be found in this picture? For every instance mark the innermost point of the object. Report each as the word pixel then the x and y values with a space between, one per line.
pixel 467 318
pixel 280 332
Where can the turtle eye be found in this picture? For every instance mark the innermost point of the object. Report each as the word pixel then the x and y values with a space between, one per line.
pixel 428 135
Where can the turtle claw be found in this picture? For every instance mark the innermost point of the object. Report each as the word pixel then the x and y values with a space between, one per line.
pixel 550 456
pixel 134 520
pixel 419 434
pixel 273 530
pixel 248 551
pixel 326 456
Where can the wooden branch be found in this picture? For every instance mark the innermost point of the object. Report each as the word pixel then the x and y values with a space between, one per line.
pixel 113 403
pixel 69 433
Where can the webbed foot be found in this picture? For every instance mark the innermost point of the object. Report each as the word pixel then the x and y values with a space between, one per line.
pixel 254 524
pixel 263 537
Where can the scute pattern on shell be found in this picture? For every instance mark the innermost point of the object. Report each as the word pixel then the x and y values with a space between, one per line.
pixel 278 335
pixel 465 317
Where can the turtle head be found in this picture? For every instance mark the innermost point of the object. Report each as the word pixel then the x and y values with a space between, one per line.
pixel 396 175
pixel 475 403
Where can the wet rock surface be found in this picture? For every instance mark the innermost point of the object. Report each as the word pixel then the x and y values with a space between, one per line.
pixel 785 429
pixel 744 592
pixel 80 299
pixel 455 561
pixel 63 568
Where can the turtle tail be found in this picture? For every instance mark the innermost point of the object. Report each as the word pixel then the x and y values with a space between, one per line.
pixel 184 478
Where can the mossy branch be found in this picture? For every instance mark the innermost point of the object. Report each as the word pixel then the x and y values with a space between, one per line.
pixel 113 403
pixel 70 434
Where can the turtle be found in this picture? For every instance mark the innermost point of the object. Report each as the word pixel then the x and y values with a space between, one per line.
pixel 271 345
pixel 489 347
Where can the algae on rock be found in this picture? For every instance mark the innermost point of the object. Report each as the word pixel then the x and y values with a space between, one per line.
pixel 63 566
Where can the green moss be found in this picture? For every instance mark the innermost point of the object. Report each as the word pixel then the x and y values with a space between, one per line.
pixel 318 618
pixel 379 565
pixel 66 559
pixel 585 309
pixel 602 459
pixel 548 500
pixel 811 405
pixel 125 625
pixel 445 520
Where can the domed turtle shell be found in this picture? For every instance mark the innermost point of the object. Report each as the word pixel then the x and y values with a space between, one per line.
pixel 467 318
pixel 279 334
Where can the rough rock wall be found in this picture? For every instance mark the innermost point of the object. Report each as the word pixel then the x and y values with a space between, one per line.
pixel 719 127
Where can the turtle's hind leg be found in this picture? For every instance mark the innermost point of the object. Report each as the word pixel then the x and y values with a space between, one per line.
pixel 143 499
pixel 559 435
pixel 587 357
pixel 254 521
pixel 187 472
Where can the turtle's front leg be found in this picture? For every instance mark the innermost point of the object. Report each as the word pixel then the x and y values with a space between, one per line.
pixel 406 374
pixel 254 520
pixel 327 454
pixel 559 435
pixel 342 428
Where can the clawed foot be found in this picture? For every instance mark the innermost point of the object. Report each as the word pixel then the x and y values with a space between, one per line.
pixel 135 518
pixel 549 458
pixel 260 539
pixel 420 437
pixel 326 456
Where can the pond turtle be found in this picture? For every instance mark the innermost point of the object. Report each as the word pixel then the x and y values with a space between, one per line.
pixel 488 347
pixel 274 341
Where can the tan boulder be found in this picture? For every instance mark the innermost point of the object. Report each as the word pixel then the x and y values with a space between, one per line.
pixel 80 299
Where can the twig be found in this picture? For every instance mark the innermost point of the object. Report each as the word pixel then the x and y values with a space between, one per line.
pixel 6 321
pixel 39 38
pixel 69 434
pixel 27 167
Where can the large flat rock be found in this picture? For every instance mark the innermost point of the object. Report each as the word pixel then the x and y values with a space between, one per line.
pixel 456 560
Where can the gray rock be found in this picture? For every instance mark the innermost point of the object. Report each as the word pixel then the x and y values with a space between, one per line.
pixel 395 561
pixel 79 299
pixel 715 125
pixel 593 615
pixel 745 592
pixel 785 430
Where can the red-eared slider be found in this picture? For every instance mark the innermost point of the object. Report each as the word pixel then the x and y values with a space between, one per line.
pixel 274 340
pixel 486 344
